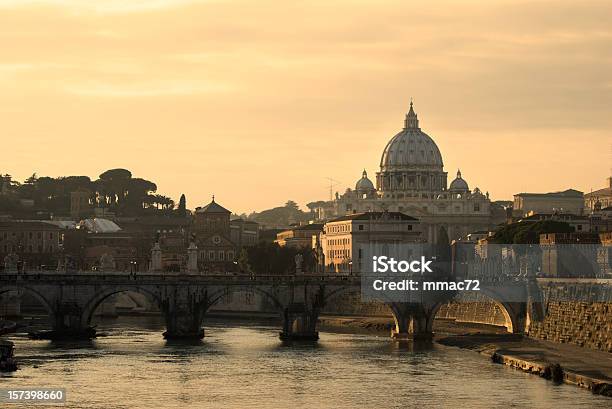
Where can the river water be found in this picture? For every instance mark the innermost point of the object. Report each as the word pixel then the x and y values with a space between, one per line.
pixel 244 365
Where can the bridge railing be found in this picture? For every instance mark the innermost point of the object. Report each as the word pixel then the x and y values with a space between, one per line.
pixel 96 276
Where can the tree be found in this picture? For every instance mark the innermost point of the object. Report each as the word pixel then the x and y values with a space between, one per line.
pixel 529 232
pixel 270 258
pixel 182 207
pixel 115 183
pixel 137 191
pixel 292 205
pixel 164 201
pixel 280 216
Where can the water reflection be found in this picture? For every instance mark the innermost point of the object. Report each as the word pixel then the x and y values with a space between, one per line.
pixel 247 366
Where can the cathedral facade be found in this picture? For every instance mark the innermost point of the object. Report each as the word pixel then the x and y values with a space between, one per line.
pixel 412 180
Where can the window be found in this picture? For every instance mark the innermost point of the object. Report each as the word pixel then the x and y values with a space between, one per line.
pixel 409 227
pixel 211 255
pixel 221 255
pixel 361 227
pixel 476 207
pixel 579 227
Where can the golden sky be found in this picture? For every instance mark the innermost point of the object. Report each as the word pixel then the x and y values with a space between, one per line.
pixel 259 101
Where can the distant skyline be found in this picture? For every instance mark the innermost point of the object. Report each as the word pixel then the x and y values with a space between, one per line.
pixel 259 102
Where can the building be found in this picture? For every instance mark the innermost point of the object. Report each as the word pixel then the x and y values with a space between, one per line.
pixel 601 220
pixel 34 242
pixel 299 236
pixel 577 255
pixel 568 201
pixel 346 240
pixel 412 180
pixel 475 237
pixel 139 234
pixel 244 233
pixel 580 223
pixel 81 204
pixel 599 199
pixel 212 233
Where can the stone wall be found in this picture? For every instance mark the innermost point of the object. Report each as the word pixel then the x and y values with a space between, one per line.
pixel 585 324
pixel 351 304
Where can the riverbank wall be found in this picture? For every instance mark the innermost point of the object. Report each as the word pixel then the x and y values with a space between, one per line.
pixel 568 322
pixel 570 364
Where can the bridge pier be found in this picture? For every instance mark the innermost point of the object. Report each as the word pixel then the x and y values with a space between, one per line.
pixel 184 314
pixel 68 324
pixel 299 323
pixel 412 323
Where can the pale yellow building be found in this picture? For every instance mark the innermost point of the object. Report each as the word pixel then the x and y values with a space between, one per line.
pixel 567 201
pixel 345 240
pixel 599 199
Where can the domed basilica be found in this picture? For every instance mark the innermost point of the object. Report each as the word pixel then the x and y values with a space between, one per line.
pixel 412 180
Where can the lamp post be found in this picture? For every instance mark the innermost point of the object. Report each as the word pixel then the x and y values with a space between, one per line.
pixel 133 268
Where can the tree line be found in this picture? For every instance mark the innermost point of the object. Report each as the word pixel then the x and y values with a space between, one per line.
pixel 115 190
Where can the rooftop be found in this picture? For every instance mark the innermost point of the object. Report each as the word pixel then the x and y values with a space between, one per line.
pixel 565 193
pixel 552 216
pixel 28 225
pixel 374 216
pixel 212 207
pixel 606 191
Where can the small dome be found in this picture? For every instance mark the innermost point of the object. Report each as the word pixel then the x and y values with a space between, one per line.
pixel 364 184
pixel 459 183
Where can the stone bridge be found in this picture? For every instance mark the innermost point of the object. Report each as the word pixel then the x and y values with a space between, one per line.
pixel 184 299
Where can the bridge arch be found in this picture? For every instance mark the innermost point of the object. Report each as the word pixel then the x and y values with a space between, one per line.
pixel 91 305
pixel 510 311
pixel 340 291
pixel 39 297
pixel 218 294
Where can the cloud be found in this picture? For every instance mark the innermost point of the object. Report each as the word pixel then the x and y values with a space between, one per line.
pixel 102 7
pixel 324 81
pixel 152 89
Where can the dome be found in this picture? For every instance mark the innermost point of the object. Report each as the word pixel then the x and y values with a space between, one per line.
pixel 364 184
pixel 411 148
pixel 459 183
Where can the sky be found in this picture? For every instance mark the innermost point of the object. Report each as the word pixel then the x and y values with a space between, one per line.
pixel 259 102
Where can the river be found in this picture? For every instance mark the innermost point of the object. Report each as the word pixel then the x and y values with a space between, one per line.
pixel 244 365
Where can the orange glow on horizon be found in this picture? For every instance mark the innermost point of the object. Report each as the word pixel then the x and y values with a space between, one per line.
pixel 260 102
